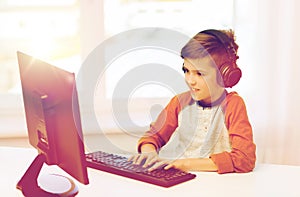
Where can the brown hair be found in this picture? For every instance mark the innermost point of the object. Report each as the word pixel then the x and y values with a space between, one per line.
pixel 203 44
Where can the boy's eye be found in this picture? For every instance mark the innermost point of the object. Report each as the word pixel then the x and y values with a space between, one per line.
pixel 199 74
pixel 185 70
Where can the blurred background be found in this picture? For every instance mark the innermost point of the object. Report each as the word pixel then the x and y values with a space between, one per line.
pixel 64 32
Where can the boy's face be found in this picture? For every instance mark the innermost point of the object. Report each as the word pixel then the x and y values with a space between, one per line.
pixel 201 77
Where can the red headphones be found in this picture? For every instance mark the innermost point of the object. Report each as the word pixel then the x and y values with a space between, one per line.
pixel 229 71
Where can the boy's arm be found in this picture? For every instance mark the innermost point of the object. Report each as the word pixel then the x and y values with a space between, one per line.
pixel 162 129
pixel 242 157
pixel 193 164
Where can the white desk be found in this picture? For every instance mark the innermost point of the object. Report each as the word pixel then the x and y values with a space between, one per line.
pixel 265 180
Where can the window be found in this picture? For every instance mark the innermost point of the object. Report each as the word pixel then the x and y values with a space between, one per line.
pixel 62 32
pixel 47 29
pixel 146 99
pixel 185 16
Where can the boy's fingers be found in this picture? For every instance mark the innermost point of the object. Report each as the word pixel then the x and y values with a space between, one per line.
pixel 158 165
pixel 139 159
pixel 150 161
pixel 167 167
pixel 131 158
pixel 134 158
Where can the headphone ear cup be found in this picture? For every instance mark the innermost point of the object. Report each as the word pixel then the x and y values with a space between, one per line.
pixel 230 75
pixel 229 72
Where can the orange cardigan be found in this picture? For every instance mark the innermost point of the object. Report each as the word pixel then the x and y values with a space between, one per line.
pixel 242 156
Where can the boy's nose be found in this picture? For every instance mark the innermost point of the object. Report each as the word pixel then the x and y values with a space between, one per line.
pixel 191 80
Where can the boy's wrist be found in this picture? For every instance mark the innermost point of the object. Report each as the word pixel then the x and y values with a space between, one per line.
pixel 199 164
pixel 148 147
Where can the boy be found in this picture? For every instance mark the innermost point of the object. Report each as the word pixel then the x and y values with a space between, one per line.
pixel 212 124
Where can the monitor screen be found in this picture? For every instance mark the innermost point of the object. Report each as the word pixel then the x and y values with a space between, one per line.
pixel 52 115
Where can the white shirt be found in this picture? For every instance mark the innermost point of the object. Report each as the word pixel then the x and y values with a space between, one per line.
pixel 201 132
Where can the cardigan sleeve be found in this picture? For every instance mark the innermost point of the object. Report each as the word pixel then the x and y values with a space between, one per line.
pixel 242 156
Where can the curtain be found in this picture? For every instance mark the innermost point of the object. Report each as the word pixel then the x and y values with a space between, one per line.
pixel 271 85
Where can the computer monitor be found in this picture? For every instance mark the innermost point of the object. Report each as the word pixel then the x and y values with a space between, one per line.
pixel 53 120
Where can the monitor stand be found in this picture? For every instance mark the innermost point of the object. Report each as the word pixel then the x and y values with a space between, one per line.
pixel 28 184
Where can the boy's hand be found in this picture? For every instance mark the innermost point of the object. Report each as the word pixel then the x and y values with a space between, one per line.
pixel 148 157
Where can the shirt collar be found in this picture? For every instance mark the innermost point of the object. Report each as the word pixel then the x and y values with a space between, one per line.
pixel 215 103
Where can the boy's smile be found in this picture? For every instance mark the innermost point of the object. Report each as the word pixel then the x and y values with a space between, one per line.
pixel 201 78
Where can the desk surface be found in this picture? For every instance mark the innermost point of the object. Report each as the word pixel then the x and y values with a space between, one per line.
pixel 265 180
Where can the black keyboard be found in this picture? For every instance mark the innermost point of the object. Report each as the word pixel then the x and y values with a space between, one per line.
pixel 120 165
